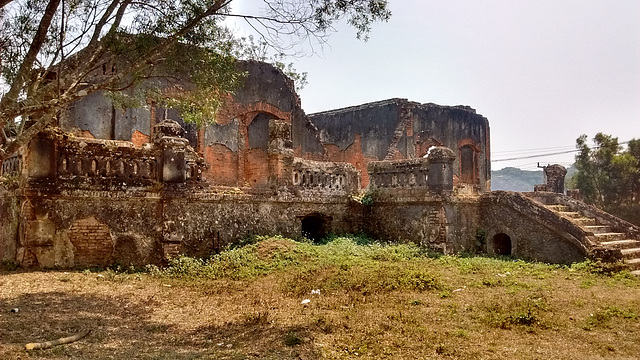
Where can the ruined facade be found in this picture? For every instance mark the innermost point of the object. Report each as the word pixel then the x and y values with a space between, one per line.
pixel 136 186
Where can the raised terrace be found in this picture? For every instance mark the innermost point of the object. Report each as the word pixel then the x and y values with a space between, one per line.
pixel 106 185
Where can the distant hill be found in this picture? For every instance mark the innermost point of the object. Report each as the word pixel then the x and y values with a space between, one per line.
pixel 514 179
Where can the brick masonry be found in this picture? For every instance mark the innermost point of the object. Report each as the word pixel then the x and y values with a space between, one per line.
pixel 92 241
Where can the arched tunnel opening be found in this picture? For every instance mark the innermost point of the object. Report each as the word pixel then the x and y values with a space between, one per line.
pixel 314 227
pixel 502 244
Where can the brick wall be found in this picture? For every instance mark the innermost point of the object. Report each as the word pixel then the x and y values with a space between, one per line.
pixel 223 165
pixel 352 155
pixel 92 241
pixel 138 138
pixel 256 170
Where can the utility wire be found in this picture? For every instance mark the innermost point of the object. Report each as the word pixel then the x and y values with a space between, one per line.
pixel 535 156
pixel 547 154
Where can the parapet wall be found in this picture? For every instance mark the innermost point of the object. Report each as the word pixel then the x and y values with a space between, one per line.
pixel 72 201
pixel 534 231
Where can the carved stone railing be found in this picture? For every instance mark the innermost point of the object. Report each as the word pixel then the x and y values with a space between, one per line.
pixel 414 176
pixel 84 162
pixel 12 166
pixel 99 159
pixel 324 176
pixel 399 174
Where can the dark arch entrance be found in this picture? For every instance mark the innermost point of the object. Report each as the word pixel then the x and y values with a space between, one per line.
pixel 314 227
pixel 501 244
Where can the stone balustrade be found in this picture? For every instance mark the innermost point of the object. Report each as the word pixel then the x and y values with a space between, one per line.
pixel 12 166
pixel 99 159
pixel 411 173
pixel 431 174
pixel 324 176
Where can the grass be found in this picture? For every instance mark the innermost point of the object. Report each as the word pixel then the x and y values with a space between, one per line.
pixel 365 300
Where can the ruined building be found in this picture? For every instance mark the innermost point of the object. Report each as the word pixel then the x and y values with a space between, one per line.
pixel 138 186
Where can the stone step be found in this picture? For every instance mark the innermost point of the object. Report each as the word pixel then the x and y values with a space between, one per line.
pixel 609 237
pixel 570 214
pixel 632 253
pixel 621 244
pixel 636 272
pixel 634 264
pixel 584 221
pixel 558 208
pixel 597 229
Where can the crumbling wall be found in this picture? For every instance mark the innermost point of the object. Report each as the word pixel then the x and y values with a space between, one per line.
pixel 10 215
pixel 398 129
pixel 89 228
pixel 444 224
pixel 206 222
pixel 533 231
pixel 414 201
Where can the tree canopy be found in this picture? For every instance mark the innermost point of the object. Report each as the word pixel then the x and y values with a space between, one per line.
pixel 609 175
pixel 54 52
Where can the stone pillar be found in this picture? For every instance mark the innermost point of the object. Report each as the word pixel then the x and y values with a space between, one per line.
pixel 280 153
pixel 170 136
pixel 171 240
pixel 440 176
pixel 554 174
pixel 41 158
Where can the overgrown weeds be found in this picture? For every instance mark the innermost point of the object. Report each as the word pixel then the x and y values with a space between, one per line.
pixel 351 297
pixel 602 318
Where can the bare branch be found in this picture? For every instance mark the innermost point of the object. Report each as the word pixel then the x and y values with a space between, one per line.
pixel 9 99
pixel 103 20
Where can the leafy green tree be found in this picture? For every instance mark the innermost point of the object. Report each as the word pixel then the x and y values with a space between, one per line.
pixel 609 175
pixel 54 52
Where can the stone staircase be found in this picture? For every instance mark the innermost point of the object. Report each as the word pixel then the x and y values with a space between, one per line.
pixel 603 236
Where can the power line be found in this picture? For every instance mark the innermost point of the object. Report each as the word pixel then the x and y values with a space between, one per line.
pixel 547 154
pixel 535 156
pixel 555 148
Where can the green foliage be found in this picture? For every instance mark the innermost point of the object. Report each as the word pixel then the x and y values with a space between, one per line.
pixel 10 182
pixel 601 268
pixel 292 338
pixel 54 54
pixel 9 265
pixel 602 318
pixel 608 175
pixel 364 197
pixel 527 313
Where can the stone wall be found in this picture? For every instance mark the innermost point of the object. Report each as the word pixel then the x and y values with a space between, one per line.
pixel 84 202
pixel 10 215
pixel 532 231
pixel 442 223
pixel 398 129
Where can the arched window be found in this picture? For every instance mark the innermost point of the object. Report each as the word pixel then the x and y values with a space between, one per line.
pixel 258 131
pixel 468 165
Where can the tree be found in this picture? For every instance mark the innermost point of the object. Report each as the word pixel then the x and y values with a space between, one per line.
pixel 54 52
pixel 609 176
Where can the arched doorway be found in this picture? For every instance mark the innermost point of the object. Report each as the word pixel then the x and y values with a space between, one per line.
pixel 256 164
pixel 314 227
pixel 501 244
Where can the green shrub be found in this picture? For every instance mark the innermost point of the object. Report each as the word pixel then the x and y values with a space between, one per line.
pixel 601 318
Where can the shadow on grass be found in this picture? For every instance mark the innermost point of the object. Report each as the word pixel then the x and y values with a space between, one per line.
pixel 122 329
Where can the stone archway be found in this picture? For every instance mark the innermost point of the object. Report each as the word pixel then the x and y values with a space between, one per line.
pixel 502 244
pixel 314 227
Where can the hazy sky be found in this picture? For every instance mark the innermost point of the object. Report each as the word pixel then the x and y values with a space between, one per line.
pixel 543 72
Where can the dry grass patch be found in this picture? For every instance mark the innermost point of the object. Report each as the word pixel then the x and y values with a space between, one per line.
pixel 374 302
